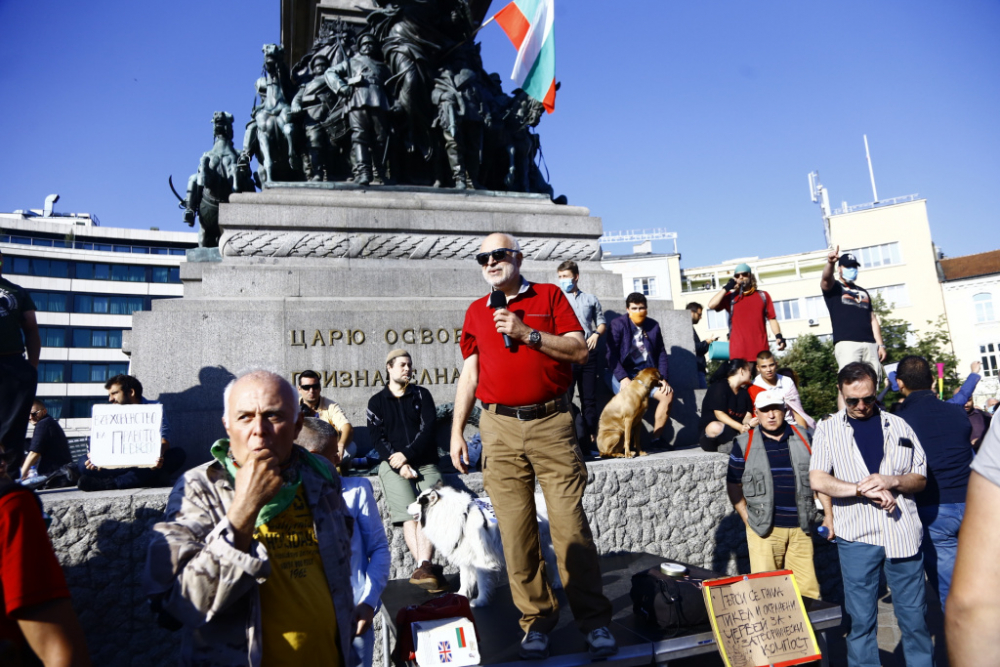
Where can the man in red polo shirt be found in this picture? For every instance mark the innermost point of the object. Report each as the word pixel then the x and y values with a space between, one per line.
pixel 527 432
pixel 749 309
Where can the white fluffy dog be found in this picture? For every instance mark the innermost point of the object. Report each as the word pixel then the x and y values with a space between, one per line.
pixel 463 529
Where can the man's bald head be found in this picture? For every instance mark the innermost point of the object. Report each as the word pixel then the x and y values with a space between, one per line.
pixel 262 414
pixel 260 376
pixel 499 240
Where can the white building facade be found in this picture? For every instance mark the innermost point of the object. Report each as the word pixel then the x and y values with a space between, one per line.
pixel 86 281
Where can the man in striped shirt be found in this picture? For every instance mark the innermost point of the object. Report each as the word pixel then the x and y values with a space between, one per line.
pixel 871 464
pixel 768 484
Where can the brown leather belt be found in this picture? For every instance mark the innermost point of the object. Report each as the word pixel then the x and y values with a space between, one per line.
pixel 527 413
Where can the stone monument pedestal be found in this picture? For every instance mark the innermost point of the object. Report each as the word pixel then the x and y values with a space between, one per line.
pixel 330 278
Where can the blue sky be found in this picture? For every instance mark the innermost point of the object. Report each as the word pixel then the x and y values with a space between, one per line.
pixel 703 118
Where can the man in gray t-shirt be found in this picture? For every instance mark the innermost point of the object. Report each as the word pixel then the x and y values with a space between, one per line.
pixel 588 310
pixel 972 620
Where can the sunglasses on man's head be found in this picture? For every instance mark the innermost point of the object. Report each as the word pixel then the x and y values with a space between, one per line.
pixel 484 257
pixel 309 387
pixel 854 401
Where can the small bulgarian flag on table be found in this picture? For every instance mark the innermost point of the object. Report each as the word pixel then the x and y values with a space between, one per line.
pixel 529 25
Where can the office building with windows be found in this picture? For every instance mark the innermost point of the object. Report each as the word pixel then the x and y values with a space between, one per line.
pixel 971 290
pixel 86 281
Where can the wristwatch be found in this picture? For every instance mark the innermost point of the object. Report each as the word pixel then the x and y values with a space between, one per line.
pixel 534 338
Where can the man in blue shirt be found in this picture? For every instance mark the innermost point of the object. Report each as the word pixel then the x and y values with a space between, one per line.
pixel 636 343
pixel 943 429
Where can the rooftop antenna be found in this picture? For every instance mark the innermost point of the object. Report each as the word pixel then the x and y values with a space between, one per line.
pixel 870 171
pixel 819 196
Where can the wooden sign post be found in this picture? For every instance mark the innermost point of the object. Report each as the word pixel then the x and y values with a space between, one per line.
pixel 125 436
pixel 759 620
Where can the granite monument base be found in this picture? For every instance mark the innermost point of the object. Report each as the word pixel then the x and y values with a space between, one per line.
pixel 331 279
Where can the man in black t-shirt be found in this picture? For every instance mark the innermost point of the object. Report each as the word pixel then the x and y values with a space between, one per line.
pixel 18 378
pixel 857 335
pixel 49 449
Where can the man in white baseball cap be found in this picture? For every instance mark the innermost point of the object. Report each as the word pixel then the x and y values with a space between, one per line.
pixel 768 484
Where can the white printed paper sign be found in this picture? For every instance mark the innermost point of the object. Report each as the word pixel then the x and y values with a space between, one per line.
pixel 448 641
pixel 123 436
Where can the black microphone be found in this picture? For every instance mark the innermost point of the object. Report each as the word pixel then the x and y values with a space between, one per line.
pixel 499 300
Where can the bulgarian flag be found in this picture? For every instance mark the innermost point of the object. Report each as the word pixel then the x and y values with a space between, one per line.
pixel 529 25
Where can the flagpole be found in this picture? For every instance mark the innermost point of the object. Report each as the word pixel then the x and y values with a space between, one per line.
pixel 474 33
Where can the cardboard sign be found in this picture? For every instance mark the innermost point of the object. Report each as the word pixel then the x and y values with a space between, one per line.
pixel 759 620
pixel 448 641
pixel 125 436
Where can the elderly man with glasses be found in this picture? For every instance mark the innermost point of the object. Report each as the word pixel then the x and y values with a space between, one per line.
pixel 879 466
pixel 519 342
pixel 749 311
pixel 314 404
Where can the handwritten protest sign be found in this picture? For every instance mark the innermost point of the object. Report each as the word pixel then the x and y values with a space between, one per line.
pixel 123 436
pixel 758 620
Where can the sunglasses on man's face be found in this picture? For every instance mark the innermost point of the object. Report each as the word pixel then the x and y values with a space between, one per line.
pixel 854 401
pixel 742 275
pixel 498 255
pixel 34 412
pixel 309 387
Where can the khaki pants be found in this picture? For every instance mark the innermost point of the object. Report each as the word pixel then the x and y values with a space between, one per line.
pixel 847 351
pixel 785 548
pixel 514 454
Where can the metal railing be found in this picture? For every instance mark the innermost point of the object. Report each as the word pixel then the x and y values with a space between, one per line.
pixel 874 204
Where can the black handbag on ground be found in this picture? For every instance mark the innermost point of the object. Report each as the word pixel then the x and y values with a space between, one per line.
pixel 668 604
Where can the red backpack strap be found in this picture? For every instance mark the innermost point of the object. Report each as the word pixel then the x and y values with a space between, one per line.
pixel 804 441
pixel 746 453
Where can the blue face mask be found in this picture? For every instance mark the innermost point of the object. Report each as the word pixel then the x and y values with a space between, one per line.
pixel 566 284
pixel 850 274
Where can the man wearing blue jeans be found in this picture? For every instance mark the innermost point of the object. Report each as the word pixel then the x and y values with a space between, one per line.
pixel 944 431
pixel 879 466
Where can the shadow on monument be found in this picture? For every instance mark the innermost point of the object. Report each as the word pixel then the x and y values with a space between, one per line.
pixel 201 406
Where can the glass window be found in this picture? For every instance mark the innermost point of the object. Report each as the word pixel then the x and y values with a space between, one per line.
pixel 988 355
pixel 58 269
pixel 80 373
pixel 52 336
pixel 51 371
pixel 142 250
pixel 100 304
pixel 175 274
pixel 178 251
pixel 54 406
pixel 816 308
pixel 105 247
pixel 21 265
pixel 115 339
pixel 895 296
pixel 161 274
pixel 874 256
pixel 99 338
pixel 102 272
pixel 158 251
pixel 83 303
pixel 984 307
pixel 85 270
pixel 718 320
pixel 81 338
pixel 787 310
pixel 123 248
pixel 23 240
pixel 119 272
pixel 82 408
pixel 646 286
pixel 137 274
pixel 52 302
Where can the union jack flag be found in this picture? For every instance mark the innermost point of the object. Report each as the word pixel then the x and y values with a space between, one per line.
pixel 444 650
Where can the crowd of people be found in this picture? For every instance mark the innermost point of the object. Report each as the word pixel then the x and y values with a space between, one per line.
pixel 273 554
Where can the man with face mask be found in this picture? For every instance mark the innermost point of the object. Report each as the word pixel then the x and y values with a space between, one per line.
pixel 588 310
pixel 636 343
pixel 857 335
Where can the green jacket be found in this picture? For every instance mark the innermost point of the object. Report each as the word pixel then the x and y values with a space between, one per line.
pixel 758 484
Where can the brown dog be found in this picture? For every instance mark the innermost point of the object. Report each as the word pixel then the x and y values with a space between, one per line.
pixel 619 425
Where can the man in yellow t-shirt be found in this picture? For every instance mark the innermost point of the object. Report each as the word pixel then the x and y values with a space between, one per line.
pixel 253 558
pixel 313 404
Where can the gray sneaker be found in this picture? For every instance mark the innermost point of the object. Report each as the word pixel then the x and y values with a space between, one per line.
pixel 601 643
pixel 534 646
